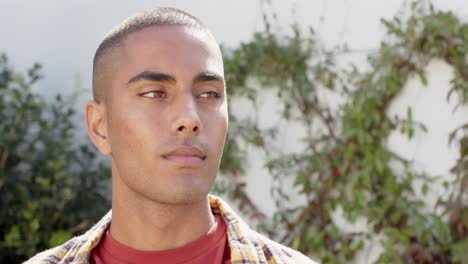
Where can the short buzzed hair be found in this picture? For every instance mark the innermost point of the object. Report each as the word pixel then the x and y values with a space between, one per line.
pixel 162 16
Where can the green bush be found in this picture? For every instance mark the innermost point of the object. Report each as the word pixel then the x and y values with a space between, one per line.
pixel 48 181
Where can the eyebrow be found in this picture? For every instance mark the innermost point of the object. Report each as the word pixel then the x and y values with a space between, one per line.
pixel 152 76
pixel 163 77
pixel 207 77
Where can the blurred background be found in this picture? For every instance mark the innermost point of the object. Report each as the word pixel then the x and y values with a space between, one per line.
pixel 348 134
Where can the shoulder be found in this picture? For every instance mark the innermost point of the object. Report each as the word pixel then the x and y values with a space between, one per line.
pixel 76 250
pixel 54 255
pixel 249 246
pixel 280 253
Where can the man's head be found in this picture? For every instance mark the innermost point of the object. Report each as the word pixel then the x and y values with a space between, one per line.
pixel 148 18
pixel 160 107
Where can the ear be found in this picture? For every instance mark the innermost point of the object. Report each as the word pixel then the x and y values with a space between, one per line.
pixel 96 124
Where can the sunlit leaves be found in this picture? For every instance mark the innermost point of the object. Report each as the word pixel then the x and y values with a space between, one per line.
pixel 347 162
pixel 47 180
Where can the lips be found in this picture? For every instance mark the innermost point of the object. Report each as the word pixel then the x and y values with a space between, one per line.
pixel 186 156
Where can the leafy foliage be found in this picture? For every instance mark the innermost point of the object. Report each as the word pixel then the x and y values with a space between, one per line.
pixel 345 162
pixel 47 180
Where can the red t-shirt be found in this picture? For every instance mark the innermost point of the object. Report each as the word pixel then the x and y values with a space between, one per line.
pixel 210 248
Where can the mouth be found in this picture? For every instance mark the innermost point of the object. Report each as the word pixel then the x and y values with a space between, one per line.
pixel 186 157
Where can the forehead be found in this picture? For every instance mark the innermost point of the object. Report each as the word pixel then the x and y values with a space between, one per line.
pixel 170 48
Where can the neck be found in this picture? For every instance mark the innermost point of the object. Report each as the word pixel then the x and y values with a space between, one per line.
pixel 144 224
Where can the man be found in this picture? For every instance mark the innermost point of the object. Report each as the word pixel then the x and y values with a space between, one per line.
pixel 160 113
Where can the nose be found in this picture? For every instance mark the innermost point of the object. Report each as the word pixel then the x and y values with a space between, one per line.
pixel 187 121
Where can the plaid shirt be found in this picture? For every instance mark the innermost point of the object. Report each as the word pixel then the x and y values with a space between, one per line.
pixel 247 246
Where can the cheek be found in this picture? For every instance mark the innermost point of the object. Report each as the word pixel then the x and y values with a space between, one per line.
pixel 122 132
pixel 133 129
pixel 217 127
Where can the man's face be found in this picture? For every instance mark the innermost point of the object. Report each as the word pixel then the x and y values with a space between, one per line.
pixel 167 113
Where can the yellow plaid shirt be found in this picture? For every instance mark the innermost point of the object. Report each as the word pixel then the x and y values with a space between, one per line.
pixel 247 246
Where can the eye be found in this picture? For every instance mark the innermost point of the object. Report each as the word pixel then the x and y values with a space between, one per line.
pixel 210 94
pixel 154 94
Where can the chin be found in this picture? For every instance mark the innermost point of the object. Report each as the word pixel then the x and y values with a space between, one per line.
pixel 190 189
pixel 175 187
pixel 180 194
pixel 184 198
